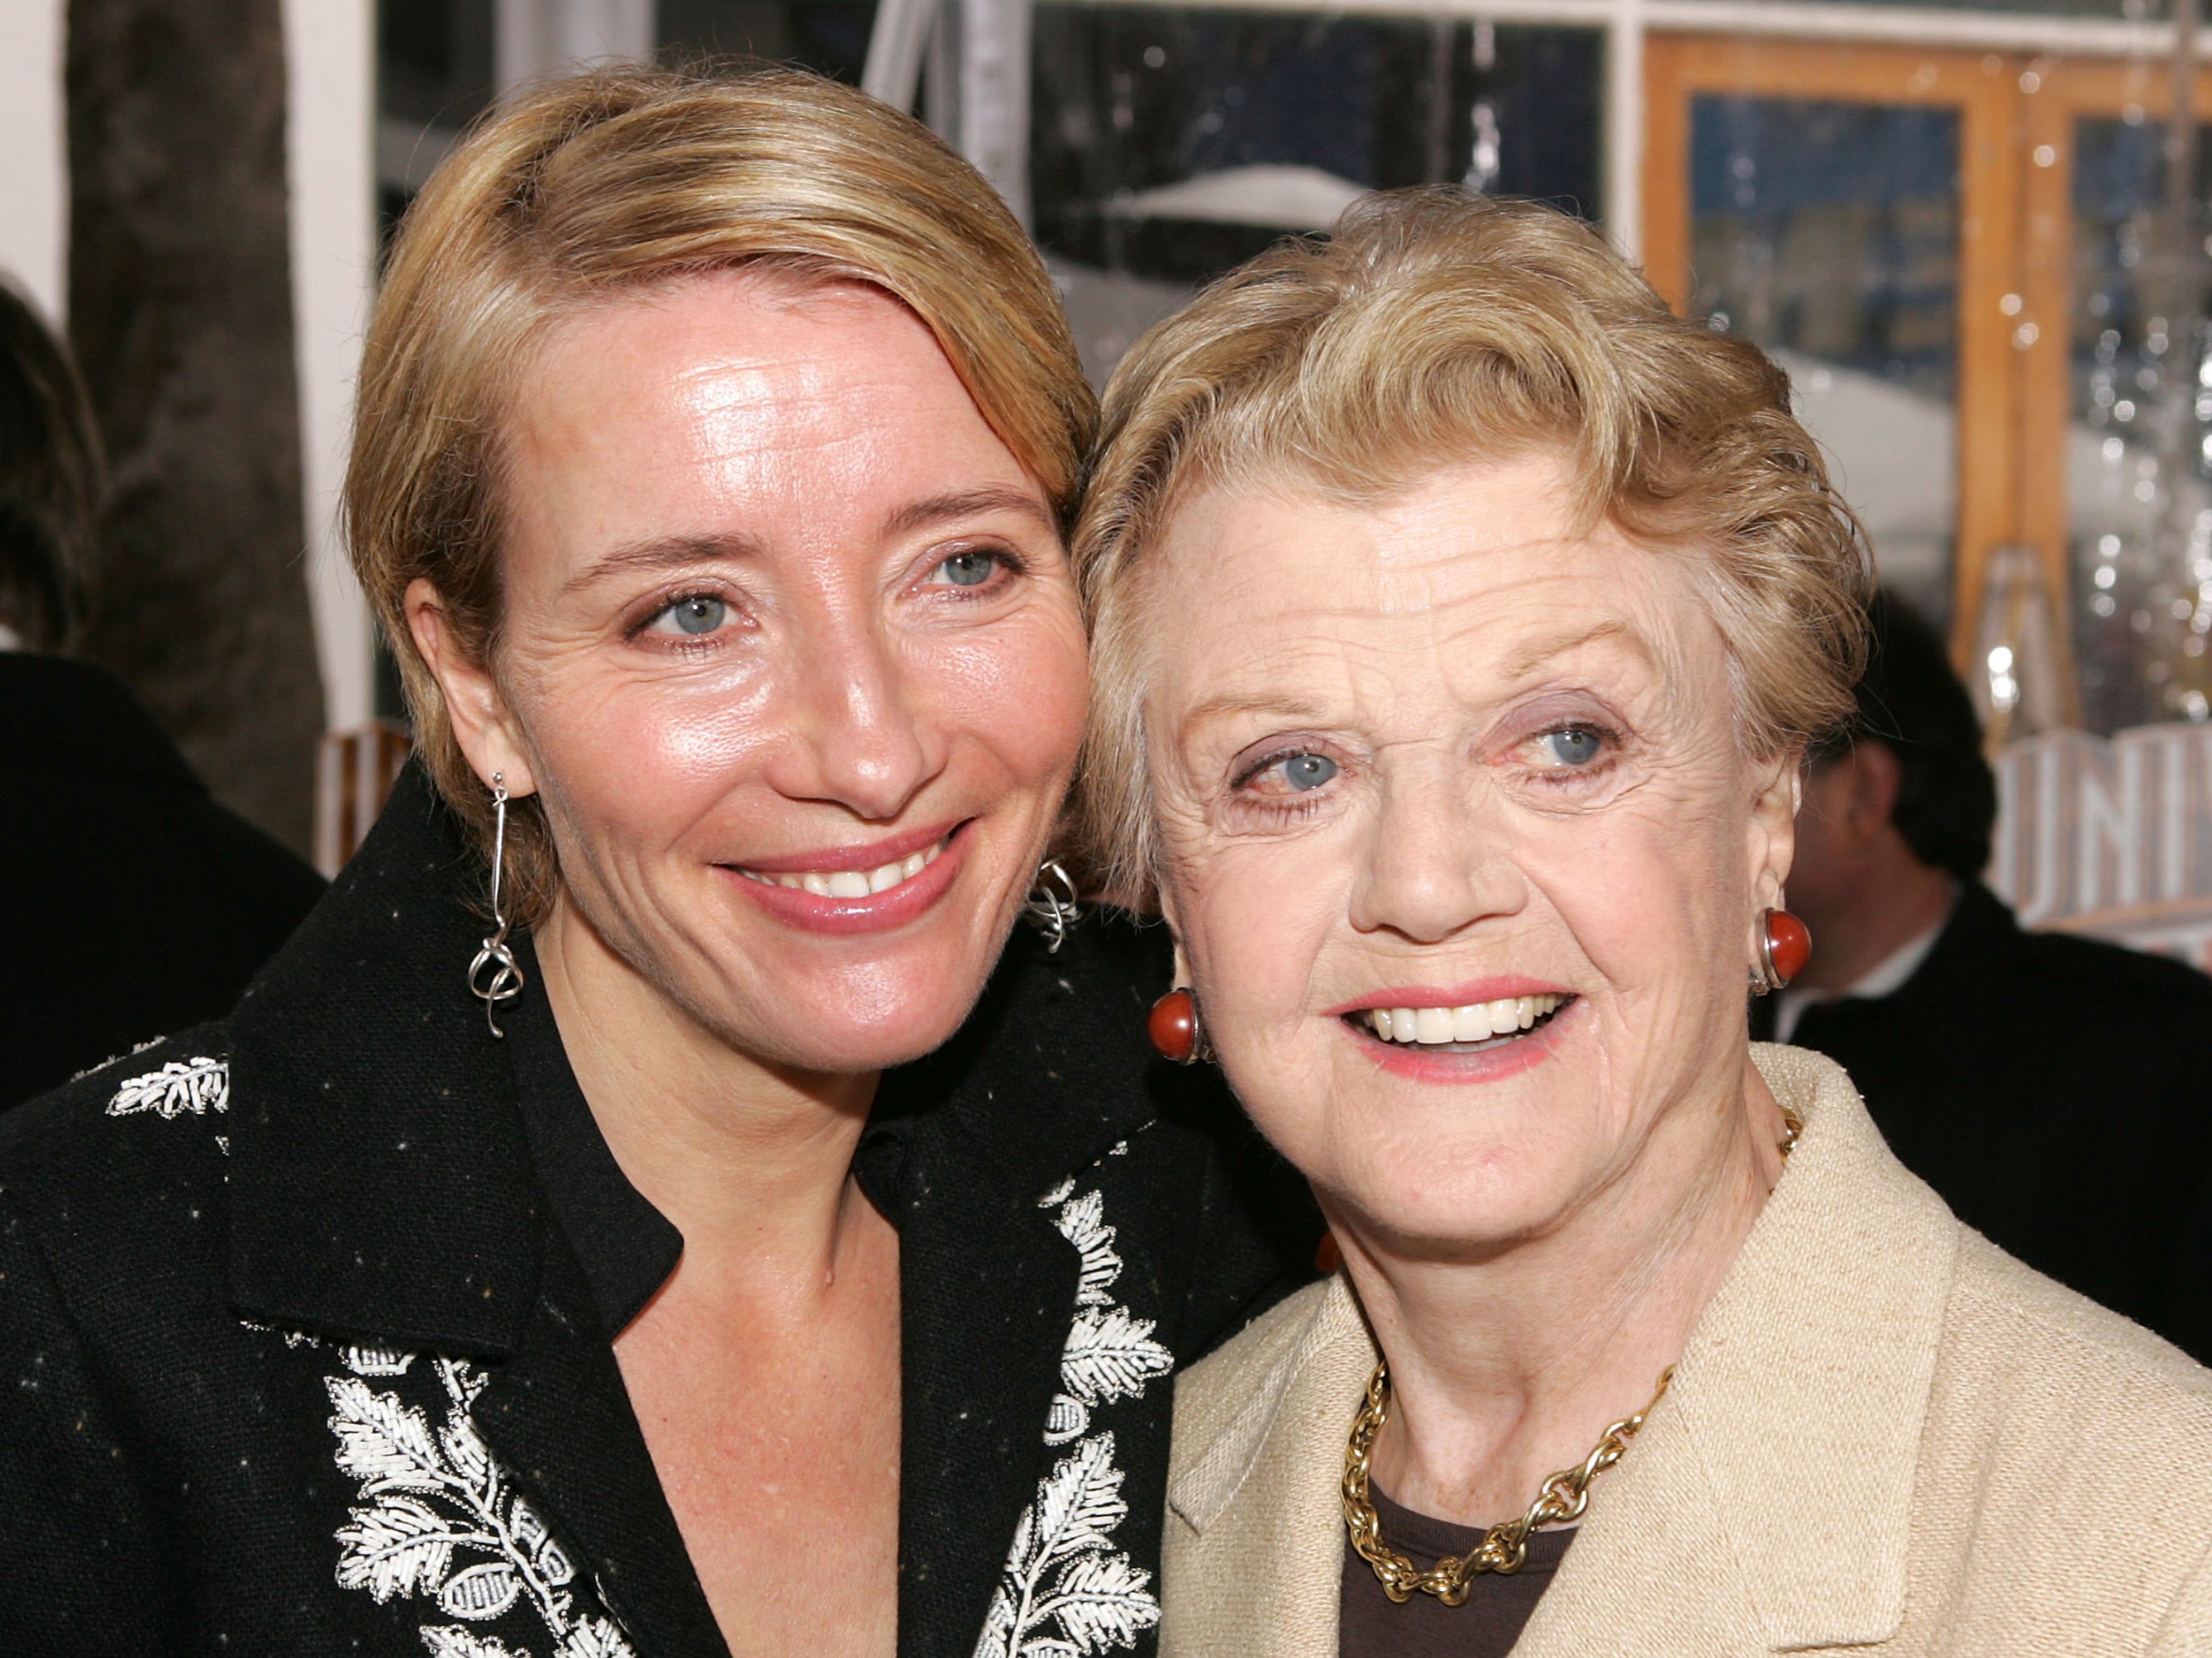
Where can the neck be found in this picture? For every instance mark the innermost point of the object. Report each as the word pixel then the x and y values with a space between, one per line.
pixel 1506 1370
pixel 749 1162
pixel 1897 899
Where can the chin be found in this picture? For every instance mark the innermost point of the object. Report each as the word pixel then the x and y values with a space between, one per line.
pixel 1440 1195
pixel 869 1017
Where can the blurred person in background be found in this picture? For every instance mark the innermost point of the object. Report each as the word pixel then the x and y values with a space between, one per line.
pixel 2056 1091
pixel 651 1207
pixel 132 904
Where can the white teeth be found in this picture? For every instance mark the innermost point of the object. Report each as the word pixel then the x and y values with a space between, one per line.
pixel 852 883
pixel 1477 1022
pixel 1471 1024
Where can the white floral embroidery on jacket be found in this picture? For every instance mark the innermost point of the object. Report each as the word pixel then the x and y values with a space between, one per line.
pixel 1065 1591
pixel 441 1520
pixel 198 1086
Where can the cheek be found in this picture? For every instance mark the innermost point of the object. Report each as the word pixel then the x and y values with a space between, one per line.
pixel 1257 920
pixel 1649 901
pixel 1020 696
pixel 638 761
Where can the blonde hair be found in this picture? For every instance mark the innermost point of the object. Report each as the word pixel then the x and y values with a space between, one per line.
pixel 1430 329
pixel 602 184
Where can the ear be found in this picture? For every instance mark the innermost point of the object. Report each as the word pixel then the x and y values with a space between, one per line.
pixel 482 724
pixel 1169 907
pixel 1771 839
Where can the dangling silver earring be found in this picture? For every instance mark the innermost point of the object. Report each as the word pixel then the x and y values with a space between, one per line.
pixel 506 981
pixel 1051 905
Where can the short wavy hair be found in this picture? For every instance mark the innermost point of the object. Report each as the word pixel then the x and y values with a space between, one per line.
pixel 1433 328
pixel 604 184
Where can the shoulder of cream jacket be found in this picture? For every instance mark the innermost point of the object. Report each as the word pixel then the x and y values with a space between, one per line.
pixel 1886 1436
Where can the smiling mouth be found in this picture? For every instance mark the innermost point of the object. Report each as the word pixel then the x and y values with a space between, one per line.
pixel 1476 1028
pixel 852 883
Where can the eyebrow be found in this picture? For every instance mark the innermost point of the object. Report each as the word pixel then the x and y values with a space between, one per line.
pixel 1520 666
pixel 1538 653
pixel 662 553
pixel 675 552
pixel 1221 708
pixel 970 503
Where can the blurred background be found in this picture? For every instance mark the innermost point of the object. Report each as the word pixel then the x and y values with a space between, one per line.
pixel 1976 235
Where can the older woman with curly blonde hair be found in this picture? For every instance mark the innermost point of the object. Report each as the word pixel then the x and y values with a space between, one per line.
pixel 1460 618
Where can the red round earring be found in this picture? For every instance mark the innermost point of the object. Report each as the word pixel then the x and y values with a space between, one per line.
pixel 1173 1026
pixel 1785 945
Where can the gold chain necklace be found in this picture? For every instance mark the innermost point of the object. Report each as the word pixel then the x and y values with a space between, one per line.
pixel 1505 1547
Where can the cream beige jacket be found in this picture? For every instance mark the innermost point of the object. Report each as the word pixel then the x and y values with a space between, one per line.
pixel 1886 1438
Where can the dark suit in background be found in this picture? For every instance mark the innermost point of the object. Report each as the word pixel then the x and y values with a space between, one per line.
pixel 2057 1093
pixel 131 905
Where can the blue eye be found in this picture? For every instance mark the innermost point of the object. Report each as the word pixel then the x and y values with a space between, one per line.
pixel 701 613
pixel 971 569
pixel 1574 745
pixel 1308 771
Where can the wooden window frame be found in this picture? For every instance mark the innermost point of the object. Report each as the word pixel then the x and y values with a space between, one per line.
pixel 1984 89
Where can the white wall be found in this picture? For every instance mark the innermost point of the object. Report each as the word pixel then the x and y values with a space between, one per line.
pixel 537 38
pixel 34 200
pixel 330 53
pixel 330 50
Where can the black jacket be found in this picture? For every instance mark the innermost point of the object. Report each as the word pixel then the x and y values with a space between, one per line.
pixel 297 1359
pixel 131 903
pixel 2057 1091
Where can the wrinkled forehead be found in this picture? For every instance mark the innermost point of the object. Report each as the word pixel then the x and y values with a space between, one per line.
pixel 1471 583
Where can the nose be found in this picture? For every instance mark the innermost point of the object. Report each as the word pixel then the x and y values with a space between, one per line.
pixel 859 732
pixel 1435 858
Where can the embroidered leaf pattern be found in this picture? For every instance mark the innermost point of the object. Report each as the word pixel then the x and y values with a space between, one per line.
pixel 1082 1222
pixel 594 1637
pixel 1065 1591
pixel 440 1520
pixel 196 1087
pixel 444 1641
pixel 399 1545
pixel 1101 1601
pixel 1079 1502
pixel 383 1443
pixel 1111 1355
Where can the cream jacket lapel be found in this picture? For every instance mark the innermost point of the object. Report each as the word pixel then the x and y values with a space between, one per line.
pixel 1884 1436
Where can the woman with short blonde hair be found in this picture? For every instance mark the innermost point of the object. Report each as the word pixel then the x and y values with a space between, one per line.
pixel 1462 616
pixel 641 1212
pixel 596 190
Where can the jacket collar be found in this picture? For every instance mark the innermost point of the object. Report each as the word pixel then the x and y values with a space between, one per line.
pixel 961 1149
pixel 1790 1439
pixel 1798 1407
pixel 381 1182
pixel 381 1179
